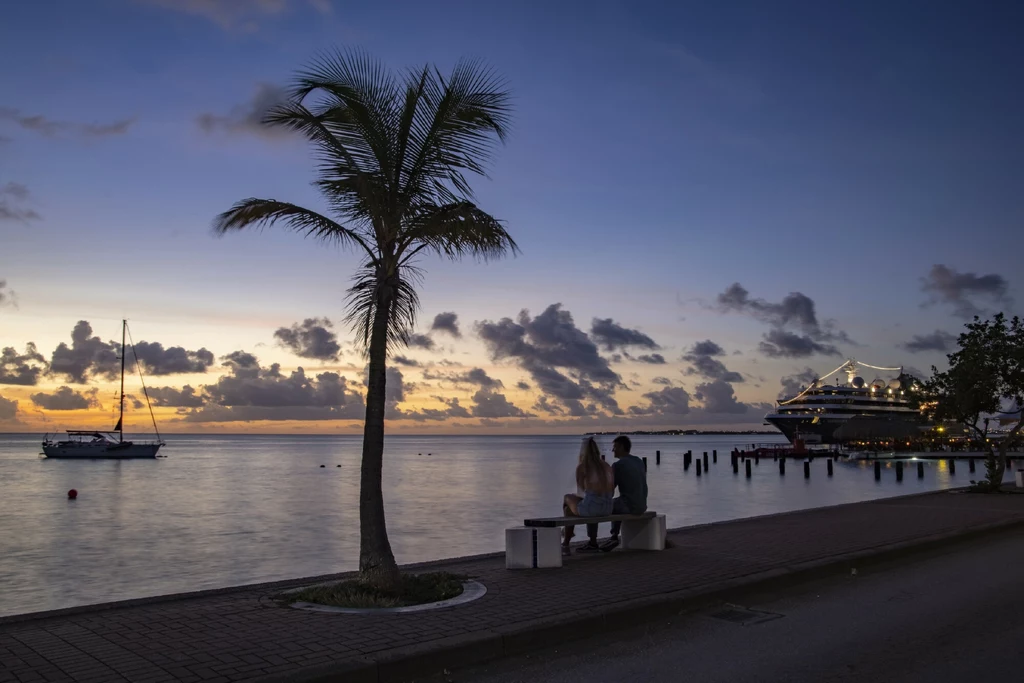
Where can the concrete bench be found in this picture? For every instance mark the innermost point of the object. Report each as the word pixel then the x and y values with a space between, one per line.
pixel 537 544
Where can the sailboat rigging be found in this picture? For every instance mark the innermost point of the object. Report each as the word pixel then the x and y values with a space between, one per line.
pixel 99 444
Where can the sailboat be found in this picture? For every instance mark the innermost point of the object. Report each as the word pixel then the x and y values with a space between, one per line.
pixel 109 445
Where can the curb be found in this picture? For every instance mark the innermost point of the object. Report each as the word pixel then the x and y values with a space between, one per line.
pixel 433 657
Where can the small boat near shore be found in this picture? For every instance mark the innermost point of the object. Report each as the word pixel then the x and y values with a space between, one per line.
pixel 108 445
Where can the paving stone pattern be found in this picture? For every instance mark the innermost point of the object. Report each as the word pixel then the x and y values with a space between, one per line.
pixel 240 634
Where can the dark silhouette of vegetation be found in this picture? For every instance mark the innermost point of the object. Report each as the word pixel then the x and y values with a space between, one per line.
pixel 394 153
pixel 985 379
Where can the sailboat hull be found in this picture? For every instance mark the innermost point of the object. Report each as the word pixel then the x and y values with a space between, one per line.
pixel 123 451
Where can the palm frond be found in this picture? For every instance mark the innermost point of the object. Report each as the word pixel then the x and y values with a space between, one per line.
pixel 455 230
pixel 365 295
pixel 358 104
pixel 260 213
pixel 453 131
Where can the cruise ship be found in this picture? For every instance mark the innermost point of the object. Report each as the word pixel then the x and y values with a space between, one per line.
pixel 820 409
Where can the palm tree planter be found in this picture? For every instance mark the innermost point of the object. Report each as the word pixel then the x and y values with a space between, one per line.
pixel 393 158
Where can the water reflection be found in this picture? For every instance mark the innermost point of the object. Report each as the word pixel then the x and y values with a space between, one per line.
pixel 222 511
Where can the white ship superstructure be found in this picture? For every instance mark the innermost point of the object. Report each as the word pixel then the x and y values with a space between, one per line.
pixel 822 407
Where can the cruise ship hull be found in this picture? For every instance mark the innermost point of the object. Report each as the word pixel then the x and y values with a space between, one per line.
pixel 810 430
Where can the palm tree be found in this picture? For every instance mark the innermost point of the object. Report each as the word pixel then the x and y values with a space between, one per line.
pixel 393 158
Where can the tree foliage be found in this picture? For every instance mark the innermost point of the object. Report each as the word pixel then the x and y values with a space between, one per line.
pixel 985 381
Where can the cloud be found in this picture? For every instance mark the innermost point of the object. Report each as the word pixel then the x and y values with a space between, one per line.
pixel 781 344
pixel 543 405
pixel 794 384
pixel 609 334
pixel 704 364
pixel 169 397
pixel 408 362
pixel 718 397
pixel 446 322
pixel 87 356
pixel 668 401
pixel 452 410
pixel 422 341
pixel 66 398
pixel 8 410
pixel 7 295
pixel 12 198
pixel 240 361
pixel 395 394
pixel 250 392
pixel 476 376
pixel 652 359
pixel 237 15
pixel 488 403
pixel 21 368
pixel 939 340
pixel 525 386
pixel 173 360
pixel 248 118
pixel 662 380
pixel 51 128
pixel 543 344
pixel 796 312
pixel 945 285
pixel 707 348
pixel 313 338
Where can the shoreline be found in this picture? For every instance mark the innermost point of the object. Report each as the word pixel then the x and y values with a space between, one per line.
pixel 279 584
pixel 237 634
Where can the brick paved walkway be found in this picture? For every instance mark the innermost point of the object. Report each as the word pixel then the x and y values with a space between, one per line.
pixel 239 635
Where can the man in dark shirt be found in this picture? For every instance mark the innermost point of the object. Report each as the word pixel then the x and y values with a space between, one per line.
pixel 631 480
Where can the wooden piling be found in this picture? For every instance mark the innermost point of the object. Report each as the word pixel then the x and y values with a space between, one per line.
pixel 714 455
pixel 748 469
pixel 807 469
pixel 970 464
pixel 705 460
pixel 920 470
pixel 657 457
pixel 952 466
pixel 645 463
pixel 698 468
pixel 899 470
pixel 782 466
pixel 830 467
pixel 878 470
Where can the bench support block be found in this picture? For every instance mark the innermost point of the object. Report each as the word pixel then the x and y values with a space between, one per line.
pixel 644 534
pixel 533 547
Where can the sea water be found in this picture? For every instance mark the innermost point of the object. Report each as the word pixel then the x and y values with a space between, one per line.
pixel 230 510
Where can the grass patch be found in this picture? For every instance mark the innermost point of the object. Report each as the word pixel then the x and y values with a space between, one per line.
pixel 414 589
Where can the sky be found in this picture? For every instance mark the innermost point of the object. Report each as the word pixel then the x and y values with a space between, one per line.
pixel 714 202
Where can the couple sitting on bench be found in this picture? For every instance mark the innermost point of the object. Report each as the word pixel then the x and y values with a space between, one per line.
pixel 596 482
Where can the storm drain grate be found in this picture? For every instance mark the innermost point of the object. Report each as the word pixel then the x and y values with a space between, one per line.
pixel 744 616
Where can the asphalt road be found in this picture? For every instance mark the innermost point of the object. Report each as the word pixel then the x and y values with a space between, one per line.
pixel 954 614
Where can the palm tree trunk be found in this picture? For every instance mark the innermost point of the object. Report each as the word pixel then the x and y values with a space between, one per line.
pixel 377 564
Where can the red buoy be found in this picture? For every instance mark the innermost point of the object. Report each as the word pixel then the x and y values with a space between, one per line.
pixel 72 494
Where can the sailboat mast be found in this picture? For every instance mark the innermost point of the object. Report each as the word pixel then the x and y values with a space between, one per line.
pixel 120 419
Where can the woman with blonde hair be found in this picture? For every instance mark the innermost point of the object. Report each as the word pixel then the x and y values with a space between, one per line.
pixel 595 485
